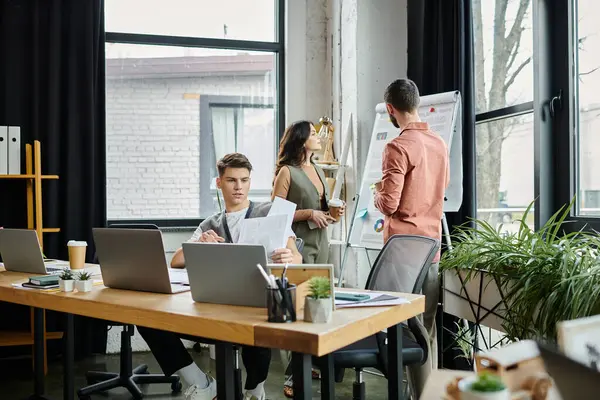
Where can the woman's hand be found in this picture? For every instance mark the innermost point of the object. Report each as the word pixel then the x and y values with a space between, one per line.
pixel 321 219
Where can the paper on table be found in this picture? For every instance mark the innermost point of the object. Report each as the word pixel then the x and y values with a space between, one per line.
pixel 271 232
pixel 283 207
pixel 375 300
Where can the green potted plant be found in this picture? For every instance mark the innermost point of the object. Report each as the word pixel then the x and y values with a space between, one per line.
pixel 84 282
pixel 65 280
pixel 530 279
pixel 483 387
pixel 318 304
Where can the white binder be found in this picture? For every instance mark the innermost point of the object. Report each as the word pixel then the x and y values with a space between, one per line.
pixel 3 150
pixel 14 150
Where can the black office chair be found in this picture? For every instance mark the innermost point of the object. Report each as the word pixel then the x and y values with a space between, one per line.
pixel 128 377
pixel 402 266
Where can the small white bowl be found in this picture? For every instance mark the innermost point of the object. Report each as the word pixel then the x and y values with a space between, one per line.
pixel 464 385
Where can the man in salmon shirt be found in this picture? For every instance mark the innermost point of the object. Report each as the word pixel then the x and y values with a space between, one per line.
pixel 411 192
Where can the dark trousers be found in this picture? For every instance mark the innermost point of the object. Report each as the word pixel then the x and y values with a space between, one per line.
pixel 172 355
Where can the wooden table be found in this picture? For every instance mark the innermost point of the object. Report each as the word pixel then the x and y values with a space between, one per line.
pixel 227 324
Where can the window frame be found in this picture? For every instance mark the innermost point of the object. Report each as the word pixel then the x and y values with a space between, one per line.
pixel 206 130
pixel 277 48
pixel 559 53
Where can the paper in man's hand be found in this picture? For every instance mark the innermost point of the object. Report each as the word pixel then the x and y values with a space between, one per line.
pixel 270 231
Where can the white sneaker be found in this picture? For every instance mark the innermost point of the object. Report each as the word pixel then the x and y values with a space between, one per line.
pixel 249 396
pixel 208 393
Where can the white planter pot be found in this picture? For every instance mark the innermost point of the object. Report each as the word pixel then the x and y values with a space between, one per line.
pixel 66 286
pixel 84 286
pixel 464 386
pixel 318 310
pixel 464 302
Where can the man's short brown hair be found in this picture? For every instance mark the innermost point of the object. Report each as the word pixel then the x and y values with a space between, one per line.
pixel 403 95
pixel 233 160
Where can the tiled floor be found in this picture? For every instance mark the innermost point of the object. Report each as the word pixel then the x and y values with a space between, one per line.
pixel 16 380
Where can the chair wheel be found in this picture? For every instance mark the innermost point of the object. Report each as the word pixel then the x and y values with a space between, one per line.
pixel 176 387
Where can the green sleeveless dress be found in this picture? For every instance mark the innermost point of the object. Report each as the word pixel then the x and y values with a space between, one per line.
pixel 304 194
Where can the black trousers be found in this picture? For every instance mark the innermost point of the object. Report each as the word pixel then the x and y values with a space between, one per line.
pixel 172 355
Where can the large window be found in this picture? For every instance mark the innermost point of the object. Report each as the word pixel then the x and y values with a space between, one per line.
pixel 503 53
pixel 186 82
pixel 587 85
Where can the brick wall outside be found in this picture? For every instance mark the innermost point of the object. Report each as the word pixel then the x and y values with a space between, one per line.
pixel 153 139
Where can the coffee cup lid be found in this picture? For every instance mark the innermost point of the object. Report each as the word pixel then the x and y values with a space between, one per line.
pixel 336 203
pixel 77 243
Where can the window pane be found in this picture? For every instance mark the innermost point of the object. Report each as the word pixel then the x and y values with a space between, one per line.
pixel 161 146
pixel 505 181
pixel 224 19
pixel 588 63
pixel 503 51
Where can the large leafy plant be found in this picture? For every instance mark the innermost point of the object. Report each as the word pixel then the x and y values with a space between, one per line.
pixel 545 276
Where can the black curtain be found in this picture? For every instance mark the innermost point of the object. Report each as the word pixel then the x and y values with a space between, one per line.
pixel 440 59
pixel 52 85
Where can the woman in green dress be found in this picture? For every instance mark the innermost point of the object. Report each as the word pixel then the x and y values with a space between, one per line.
pixel 299 180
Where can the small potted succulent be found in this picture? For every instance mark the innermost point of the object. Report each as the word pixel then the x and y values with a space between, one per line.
pixel 84 282
pixel 485 386
pixel 65 280
pixel 318 304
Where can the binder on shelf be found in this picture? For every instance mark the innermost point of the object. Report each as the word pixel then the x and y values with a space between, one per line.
pixel 3 150
pixel 14 150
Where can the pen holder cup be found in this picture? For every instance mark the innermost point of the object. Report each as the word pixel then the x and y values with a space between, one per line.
pixel 280 309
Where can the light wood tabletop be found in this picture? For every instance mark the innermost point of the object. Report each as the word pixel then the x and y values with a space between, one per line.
pixel 240 325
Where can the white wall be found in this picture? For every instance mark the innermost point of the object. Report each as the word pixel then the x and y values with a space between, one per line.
pixel 369 50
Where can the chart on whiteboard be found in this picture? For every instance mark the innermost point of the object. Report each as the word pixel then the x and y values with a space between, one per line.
pixel 441 112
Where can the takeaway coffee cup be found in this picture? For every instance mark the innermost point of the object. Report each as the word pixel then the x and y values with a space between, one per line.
pixel 77 251
pixel 335 207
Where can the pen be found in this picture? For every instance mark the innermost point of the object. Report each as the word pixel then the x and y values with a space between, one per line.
pixel 264 274
pixel 283 278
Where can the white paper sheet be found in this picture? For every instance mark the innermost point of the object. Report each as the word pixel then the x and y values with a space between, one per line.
pixel 270 231
pixel 386 300
pixel 283 207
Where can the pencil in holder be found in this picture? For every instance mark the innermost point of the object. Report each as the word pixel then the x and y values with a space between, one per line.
pixel 281 308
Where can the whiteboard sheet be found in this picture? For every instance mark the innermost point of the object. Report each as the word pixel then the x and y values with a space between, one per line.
pixel 443 113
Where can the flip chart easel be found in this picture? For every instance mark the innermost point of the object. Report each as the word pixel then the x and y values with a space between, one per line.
pixel 443 113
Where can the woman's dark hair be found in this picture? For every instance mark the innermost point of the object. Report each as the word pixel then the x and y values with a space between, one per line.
pixel 291 147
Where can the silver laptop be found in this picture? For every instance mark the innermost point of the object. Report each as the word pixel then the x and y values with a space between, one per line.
pixel 134 259
pixel 223 273
pixel 573 380
pixel 21 252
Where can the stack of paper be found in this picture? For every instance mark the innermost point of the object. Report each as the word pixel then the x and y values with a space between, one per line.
pixel 374 300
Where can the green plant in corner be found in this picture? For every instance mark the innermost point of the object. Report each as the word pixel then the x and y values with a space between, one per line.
pixel 84 276
pixel 545 276
pixel 66 275
pixel 319 287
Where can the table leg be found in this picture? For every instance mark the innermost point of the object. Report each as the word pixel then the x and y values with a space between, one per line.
pixel 327 377
pixel 395 365
pixel 225 374
pixel 68 359
pixel 38 355
pixel 302 373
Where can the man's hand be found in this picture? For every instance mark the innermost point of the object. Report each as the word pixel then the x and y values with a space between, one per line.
pixel 378 186
pixel 282 256
pixel 210 237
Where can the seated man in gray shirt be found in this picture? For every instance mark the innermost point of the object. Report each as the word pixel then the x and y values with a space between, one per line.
pixel 234 181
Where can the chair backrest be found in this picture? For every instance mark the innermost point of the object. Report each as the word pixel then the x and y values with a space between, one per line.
pixel 299 244
pixel 402 264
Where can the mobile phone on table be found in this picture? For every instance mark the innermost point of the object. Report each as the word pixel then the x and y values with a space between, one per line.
pixel 351 297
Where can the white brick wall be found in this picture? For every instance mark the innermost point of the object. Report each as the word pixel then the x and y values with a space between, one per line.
pixel 153 131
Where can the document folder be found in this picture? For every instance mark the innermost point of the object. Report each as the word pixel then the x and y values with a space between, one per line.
pixel 14 150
